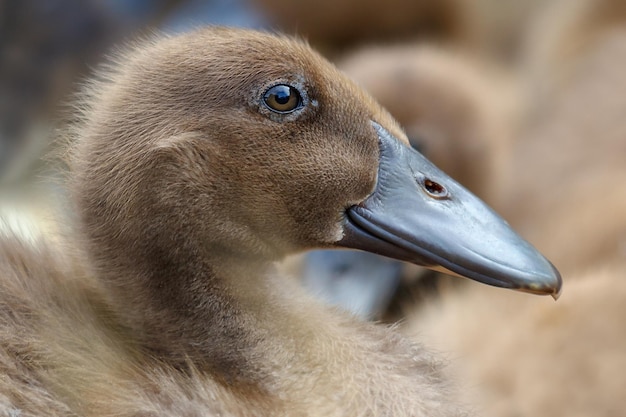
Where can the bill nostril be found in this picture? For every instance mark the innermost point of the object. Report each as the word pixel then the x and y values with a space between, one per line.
pixel 434 189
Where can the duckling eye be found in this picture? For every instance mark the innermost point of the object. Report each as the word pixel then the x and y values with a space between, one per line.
pixel 282 98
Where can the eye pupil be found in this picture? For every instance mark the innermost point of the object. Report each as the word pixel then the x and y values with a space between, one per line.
pixel 282 98
pixel 283 95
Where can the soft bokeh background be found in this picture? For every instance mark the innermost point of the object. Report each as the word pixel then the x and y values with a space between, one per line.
pixel 522 101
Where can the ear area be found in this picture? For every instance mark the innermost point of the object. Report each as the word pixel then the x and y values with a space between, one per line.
pixel 185 147
pixel 179 141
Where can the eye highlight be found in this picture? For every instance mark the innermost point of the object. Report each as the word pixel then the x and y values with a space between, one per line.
pixel 282 98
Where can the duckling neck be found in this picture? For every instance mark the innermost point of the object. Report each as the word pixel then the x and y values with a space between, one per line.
pixel 190 308
pixel 260 334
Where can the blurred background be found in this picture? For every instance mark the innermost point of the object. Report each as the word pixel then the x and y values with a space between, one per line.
pixel 522 102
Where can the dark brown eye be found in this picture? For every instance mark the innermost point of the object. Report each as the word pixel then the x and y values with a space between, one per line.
pixel 282 98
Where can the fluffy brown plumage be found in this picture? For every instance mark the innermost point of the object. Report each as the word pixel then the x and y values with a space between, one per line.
pixel 574 138
pixel 525 357
pixel 162 300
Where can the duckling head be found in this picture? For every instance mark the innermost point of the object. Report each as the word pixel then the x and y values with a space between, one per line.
pixel 232 145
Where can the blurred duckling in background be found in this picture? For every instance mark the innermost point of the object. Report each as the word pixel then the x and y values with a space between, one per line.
pixel 338 26
pixel 569 163
pixel 491 29
pixel 573 137
pixel 520 358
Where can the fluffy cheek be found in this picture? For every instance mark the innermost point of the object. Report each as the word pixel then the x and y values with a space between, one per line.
pixel 320 196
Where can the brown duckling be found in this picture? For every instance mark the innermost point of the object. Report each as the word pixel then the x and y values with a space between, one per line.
pixel 527 359
pixel 340 25
pixel 201 160
pixel 574 138
pixel 560 43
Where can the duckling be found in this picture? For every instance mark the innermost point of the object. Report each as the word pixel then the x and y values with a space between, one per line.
pixel 578 159
pixel 565 186
pixel 334 26
pixel 560 42
pixel 529 360
pixel 200 161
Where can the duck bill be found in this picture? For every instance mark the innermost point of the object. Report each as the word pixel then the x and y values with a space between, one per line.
pixel 420 215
